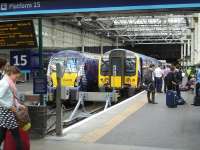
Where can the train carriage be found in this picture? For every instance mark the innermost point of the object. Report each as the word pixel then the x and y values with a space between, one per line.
pixel 76 65
pixel 122 70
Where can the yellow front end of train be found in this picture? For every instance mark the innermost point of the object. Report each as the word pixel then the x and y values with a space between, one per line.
pixel 116 81
pixel 119 69
pixel 68 79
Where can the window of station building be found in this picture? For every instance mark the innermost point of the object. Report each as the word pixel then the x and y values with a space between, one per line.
pixel 130 68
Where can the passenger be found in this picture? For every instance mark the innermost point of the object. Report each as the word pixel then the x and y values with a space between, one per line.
pixel 9 105
pixel 189 73
pixel 165 73
pixel 158 79
pixel 174 78
pixel 178 81
pixel 3 63
pixel 170 78
pixel 198 82
pixel 149 81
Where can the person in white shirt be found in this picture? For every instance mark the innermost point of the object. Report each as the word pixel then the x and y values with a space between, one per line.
pixel 158 73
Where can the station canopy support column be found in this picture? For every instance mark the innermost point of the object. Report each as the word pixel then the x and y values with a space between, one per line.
pixel 82 41
pixel 196 36
pixel 188 52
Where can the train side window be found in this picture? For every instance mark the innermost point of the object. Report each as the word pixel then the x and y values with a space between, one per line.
pixel 130 68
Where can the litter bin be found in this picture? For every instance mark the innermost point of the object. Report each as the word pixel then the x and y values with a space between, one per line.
pixel 38 116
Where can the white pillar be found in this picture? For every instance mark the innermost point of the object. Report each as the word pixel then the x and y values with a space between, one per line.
pixel 101 46
pixel 192 42
pixel 182 54
pixel 117 42
pixel 196 40
pixel 82 41
pixel 188 52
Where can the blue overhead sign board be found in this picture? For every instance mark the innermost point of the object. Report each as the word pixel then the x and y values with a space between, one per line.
pixel 37 7
pixel 21 59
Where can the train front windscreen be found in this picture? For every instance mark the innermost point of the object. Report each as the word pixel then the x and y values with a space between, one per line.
pixel 129 69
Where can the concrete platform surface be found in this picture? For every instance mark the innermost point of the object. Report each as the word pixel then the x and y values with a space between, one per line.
pixel 64 145
pixel 133 125
pixel 159 126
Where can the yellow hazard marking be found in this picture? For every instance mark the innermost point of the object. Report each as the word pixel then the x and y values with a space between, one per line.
pixel 98 133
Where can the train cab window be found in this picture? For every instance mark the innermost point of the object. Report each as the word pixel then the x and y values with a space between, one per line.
pixel 105 67
pixel 130 68
pixel 71 65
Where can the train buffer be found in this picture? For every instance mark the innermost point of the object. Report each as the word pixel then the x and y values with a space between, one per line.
pixel 107 97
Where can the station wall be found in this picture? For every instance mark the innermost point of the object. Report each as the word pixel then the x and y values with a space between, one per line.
pixel 60 35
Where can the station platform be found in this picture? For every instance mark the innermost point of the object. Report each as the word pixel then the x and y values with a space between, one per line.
pixel 133 125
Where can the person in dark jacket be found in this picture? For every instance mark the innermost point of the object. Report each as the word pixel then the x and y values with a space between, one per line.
pixel 170 78
pixel 178 81
pixel 3 63
pixel 149 81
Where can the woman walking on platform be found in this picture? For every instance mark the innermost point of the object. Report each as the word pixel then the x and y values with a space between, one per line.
pixel 9 105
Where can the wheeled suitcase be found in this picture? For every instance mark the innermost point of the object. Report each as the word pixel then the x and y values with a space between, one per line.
pixel 9 143
pixel 171 99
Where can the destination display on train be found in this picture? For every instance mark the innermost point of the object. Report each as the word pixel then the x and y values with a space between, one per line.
pixel 17 34
pixel 34 7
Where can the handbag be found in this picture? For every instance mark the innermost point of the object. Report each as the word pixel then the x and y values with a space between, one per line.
pixel 22 115
pixel 23 119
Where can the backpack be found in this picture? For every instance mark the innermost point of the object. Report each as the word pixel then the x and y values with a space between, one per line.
pixel 148 76
pixel 169 78
pixel 178 76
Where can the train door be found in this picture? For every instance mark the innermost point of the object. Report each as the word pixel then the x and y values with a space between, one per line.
pixel 140 75
pixel 117 68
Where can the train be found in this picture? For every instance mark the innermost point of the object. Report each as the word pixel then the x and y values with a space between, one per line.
pixel 118 69
pixel 122 70
pixel 77 67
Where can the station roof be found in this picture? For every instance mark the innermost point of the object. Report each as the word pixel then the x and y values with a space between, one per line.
pixel 144 29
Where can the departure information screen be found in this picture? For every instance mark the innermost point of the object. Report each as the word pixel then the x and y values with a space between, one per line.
pixel 17 34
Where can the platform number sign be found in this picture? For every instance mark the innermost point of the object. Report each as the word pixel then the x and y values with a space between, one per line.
pixel 21 59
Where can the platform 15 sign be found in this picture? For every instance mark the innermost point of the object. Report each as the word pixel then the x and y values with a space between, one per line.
pixel 35 7
pixel 21 59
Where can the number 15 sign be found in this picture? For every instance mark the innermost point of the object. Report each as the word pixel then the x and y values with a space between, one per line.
pixel 21 59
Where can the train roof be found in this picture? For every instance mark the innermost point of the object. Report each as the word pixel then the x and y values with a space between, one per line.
pixel 75 54
pixel 133 53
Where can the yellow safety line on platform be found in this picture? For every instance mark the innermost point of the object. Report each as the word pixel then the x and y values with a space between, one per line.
pixel 98 133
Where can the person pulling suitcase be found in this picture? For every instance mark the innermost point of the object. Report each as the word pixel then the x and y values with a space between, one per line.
pixel 171 94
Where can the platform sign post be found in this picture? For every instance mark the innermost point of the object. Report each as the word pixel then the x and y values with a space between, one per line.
pixel 40 46
pixel 59 113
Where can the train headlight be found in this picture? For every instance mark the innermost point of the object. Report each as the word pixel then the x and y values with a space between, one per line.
pixel 128 80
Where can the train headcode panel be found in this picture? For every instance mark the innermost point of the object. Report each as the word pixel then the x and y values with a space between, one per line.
pixel 17 34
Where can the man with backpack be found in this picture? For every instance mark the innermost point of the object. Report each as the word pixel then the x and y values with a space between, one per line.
pixel 178 81
pixel 174 78
pixel 149 81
